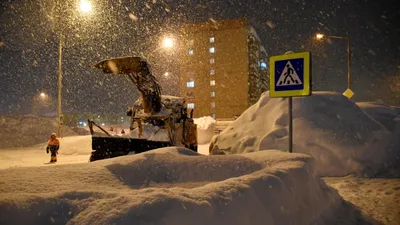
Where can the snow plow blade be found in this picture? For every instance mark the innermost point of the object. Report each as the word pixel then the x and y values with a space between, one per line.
pixel 108 147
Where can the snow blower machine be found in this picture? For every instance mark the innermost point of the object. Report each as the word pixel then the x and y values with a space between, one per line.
pixel 156 120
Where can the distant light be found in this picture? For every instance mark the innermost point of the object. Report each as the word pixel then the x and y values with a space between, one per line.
pixel 166 74
pixel 42 95
pixel 103 124
pixel 263 65
pixel 320 36
pixel 85 6
pixel 168 42
pixel 98 116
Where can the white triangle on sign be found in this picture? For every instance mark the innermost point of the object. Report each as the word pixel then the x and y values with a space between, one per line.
pixel 288 76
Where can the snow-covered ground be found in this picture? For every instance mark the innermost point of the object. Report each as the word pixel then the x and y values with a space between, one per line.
pixel 379 198
pixel 74 149
pixel 179 186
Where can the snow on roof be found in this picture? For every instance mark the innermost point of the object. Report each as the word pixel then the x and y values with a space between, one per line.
pixel 342 138
pixel 169 186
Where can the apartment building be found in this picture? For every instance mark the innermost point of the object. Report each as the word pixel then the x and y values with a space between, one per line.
pixel 223 67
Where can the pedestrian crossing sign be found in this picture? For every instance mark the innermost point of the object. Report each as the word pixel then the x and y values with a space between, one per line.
pixel 290 75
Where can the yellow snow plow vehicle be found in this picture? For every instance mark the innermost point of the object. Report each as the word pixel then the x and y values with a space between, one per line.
pixel 156 120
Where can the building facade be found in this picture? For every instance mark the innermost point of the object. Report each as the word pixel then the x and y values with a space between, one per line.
pixel 223 67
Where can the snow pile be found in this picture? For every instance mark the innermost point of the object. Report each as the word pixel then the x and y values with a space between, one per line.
pixel 28 130
pixel 341 137
pixel 385 115
pixel 150 132
pixel 205 129
pixel 78 145
pixel 170 186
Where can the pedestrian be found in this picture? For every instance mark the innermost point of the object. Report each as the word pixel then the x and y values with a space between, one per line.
pixel 53 145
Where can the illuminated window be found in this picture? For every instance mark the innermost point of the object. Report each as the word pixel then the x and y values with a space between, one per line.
pixel 212 39
pixel 190 84
pixel 213 115
pixel 213 105
pixel 191 52
pixel 212 50
pixel 212 61
pixel 212 94
pixel 190 105
pixel 212 82
pixel 212 72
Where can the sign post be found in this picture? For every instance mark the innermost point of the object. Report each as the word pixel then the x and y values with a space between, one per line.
pixel 290 76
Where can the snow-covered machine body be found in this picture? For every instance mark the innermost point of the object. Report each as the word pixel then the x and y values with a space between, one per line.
pixel 156 120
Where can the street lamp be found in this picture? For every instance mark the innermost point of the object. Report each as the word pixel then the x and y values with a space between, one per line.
pixel 348 93
pixel 168 43
pixel 42 95
pixel 85 7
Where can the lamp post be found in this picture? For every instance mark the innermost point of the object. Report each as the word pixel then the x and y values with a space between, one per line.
pixel 348 92
pixel 85 7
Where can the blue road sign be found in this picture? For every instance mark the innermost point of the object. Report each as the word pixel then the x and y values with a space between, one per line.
pixel 290 75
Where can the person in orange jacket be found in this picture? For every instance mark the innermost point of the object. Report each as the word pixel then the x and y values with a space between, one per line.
pixel 53 145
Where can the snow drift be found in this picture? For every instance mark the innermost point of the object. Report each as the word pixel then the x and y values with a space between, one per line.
pixel 28 130
pixel 385 115
pixel 205 129
pixel 170 186
pixel 341 137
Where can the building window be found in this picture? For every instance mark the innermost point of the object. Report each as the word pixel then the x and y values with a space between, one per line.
pixel 212 61
pixel 212 50
pixel 212 39
pixel 190 105
pixel 191 52
pixel 212 72
pixel 212 94
pixel 212 82
pixel 190 84
pixel 213 105
pixel 213 115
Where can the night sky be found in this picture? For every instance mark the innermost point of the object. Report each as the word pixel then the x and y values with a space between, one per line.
pixel 29 44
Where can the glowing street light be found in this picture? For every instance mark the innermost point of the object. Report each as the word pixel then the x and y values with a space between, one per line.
pixel 85 6
pixel 348 92
pixel 168 42
pixel 166 74
pixel 319 36
pixel 42 95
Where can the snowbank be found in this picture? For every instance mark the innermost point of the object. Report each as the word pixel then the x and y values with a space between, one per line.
pixel 169 186
pixel 385 115
pixel 28 130
pixel 205 129
pixel 333 129
pixel 77 145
